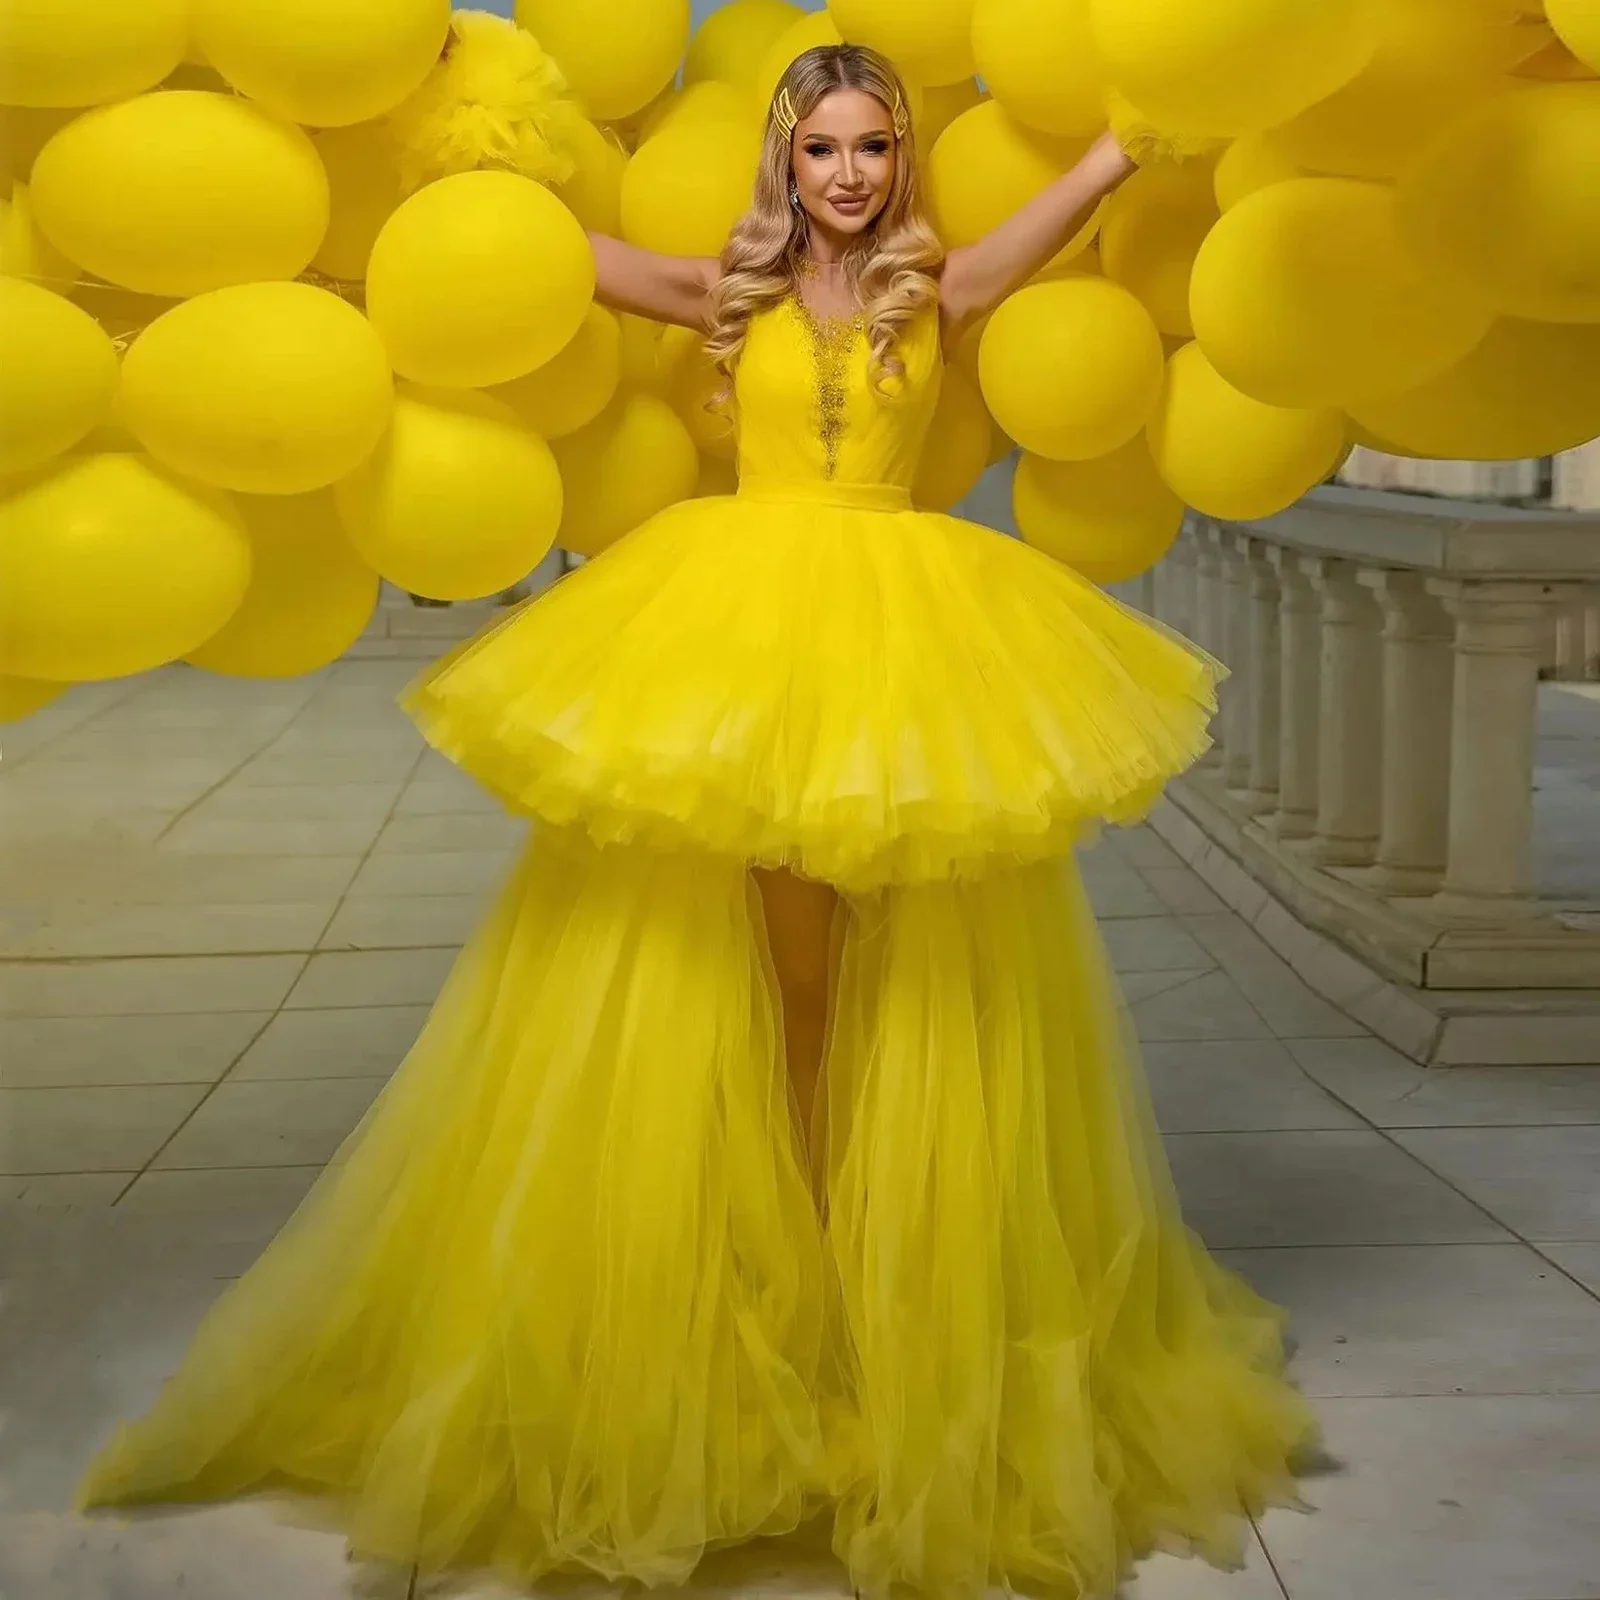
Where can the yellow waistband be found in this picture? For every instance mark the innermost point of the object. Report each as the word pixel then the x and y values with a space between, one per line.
pixel 825 492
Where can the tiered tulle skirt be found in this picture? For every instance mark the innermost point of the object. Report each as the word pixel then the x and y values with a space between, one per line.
pixel 567 1299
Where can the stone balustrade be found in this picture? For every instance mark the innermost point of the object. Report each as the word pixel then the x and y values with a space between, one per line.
pixel 1566 482
pixel 1374 769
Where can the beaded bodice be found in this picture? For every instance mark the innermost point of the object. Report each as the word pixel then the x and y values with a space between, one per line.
pixel 809 411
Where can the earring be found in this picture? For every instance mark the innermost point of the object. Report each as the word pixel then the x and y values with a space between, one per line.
pixel 794 195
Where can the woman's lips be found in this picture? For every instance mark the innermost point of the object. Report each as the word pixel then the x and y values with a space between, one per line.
pixel 850 204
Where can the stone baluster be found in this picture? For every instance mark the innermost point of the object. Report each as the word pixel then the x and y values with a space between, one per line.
pixel 1237 759
pixel 1266 679
pixel 1300 705
pixel 1500 629
pixel 1209 613
pixel 1415 792
pixel 1175 587
pixel 1577 641
pixel 1351 713
pixel 1207 590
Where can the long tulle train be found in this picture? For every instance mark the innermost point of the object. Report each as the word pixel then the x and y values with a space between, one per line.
pixel 566 1299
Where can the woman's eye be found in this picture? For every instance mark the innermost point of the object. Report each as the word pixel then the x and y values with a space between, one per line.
pixel 817 151
pixel 875 147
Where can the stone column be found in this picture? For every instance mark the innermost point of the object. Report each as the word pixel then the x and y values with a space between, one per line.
pixel 1500 629
pixel 1209 616
pixel 1266 678
pixel 1415 798
pixel 1300 706
pixel 1207 590
pixel 1348 790
pixel 1237 757
pixel 1184 587
pixel 1574 651
pixel 1175 587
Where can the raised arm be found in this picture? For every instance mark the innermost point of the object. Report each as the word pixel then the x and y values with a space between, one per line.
pixel 664 288
pixel 977 277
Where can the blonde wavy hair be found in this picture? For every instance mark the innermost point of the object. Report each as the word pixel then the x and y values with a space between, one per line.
pixel 893 267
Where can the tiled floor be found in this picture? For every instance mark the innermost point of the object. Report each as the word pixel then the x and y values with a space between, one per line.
pixel 226 909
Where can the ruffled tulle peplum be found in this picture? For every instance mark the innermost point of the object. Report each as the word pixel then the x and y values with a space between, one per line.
pixel 869 696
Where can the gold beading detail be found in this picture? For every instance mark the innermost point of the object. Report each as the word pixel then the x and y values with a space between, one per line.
pixel 833 343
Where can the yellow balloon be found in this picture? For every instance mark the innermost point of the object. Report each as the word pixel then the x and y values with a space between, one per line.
pixel 1375 126
pixel 1434 59
pixel 1357 435
pixel 460 500
pixel 985 166
pixel 1233 457
pixel 181 192
pixel 1555 63
pixel 616 61
pixel 930 41
pixel 1254 162
pixel 24 132
pixel 704 105
pixel 594 191
pixel 968 349
pixel 958 446
pixel 718 479
pixel 21 697
pixel 1505 205
pixel 364 190
pixel 84 52
pixel 630 130
pixel 1529 389
pixel 323 62
pixel 1110 518
pixel 941 106
pixel 25 252
pixel 1228 67
pixel 640 355
pixel 806 34
pixel 693 386
pixel 1041 63
pixel 730 45
pixel 60 375
pixel 1303 295
pixel 1071 369
pixel 1577 22
pixel 687 186
pixel 1153 228
pixel 269 388
pixel 120 312
pixel 310 596
pixel 569 391
pixel 1001 445
pixel 477 279
pixel 110 565
pixel 633 461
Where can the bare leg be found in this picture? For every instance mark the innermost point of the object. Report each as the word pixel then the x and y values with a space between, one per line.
pixel 800 917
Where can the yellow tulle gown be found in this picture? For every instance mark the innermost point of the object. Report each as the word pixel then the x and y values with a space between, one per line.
pixel 567 1299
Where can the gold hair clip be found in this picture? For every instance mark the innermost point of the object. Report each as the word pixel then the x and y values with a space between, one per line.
pixel 902 117
pixel 783 114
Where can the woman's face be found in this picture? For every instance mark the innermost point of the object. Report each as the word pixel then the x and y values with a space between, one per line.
pixel 844 157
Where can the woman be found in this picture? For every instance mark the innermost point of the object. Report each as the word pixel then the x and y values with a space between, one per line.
pixel 775 1149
